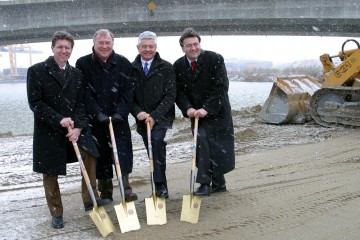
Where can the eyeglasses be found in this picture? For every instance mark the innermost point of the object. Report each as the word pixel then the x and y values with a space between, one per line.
pixel 195 45
pixel 67 48
pixel 105 43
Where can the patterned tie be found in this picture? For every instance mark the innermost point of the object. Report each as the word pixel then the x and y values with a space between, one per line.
pixel 193 66
pixel 146 69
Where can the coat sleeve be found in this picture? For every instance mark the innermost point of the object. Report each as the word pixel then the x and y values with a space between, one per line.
pixel 80 117
pixel 41 110
pixel 125 100
pixel 135 109
pixel 169 94
pixel 219 85
pixel 92 106
pixel 181 100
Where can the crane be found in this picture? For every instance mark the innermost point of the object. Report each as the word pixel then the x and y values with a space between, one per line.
pixel 12 50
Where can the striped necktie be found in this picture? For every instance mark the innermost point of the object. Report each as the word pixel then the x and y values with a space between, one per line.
pixel 146 69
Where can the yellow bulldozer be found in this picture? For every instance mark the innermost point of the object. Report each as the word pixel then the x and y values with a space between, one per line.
pixel 333 100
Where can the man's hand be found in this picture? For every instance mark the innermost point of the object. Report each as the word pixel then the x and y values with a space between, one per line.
pixel 67 122
pixel 74 134
pixel 200 113
pixel 141 116
pixel 190 112
pixel 150 120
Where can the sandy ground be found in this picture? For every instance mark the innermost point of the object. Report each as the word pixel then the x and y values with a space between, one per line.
pixel 290 182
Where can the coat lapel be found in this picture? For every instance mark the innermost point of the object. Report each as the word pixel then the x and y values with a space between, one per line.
pixel 55 71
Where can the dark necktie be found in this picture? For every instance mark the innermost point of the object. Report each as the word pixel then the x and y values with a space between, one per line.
pixel 193 66
pixel 146 69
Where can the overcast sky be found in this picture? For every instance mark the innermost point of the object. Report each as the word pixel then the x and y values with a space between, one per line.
pixel 278 49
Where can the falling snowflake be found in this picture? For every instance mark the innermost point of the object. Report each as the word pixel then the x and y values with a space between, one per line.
pixel 316 29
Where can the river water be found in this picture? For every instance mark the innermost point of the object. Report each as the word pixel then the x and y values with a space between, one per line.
pixel 17 118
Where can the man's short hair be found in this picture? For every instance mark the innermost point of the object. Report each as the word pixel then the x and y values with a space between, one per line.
pixel 147 35
pixel 62 35
pixel 102 32
pixel 188 33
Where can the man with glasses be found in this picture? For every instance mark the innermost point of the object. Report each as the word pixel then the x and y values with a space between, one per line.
pixel 202 92
pixel 109 93
pixel 55 95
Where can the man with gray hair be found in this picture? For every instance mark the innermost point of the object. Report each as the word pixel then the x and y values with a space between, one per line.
pixel 153 103
pixel 109 93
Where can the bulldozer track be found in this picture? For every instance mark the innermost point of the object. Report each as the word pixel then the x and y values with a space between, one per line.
pixel 341 91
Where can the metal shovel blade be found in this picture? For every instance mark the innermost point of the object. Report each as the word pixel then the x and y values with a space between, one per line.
pixel 190 208
pixel 127 217
pixel 102 221
pixel 155 211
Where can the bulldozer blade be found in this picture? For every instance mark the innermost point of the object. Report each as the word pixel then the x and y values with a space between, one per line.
pixel 102 221
pixel 127 217
pixel 289 100
pixel 155 211
pixel 190 209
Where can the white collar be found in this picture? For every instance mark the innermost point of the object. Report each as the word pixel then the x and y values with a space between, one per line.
pixel 149 62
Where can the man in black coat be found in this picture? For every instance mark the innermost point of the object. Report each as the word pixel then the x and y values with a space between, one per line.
pixel 202 92
pixel 55 95
pixel 109 93
pixel 154 97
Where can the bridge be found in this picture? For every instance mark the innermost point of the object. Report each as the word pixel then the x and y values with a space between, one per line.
pixel 26 21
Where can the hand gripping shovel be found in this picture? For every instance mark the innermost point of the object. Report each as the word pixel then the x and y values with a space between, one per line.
pixel 125 211
pixel 191 204
pixel 155 207
pixel 98 214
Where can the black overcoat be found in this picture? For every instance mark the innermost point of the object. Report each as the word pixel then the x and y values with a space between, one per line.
pixel 52 96
pixel 109 89
pixel 155 93
pixel 207 88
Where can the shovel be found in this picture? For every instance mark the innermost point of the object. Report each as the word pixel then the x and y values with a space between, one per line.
pixel 98 214
pixel 155 207
pixel 125 211
pixel 191 204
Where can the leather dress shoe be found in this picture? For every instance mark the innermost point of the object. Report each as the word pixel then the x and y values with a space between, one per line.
pixel 161 190
pixel 57 222
pixel 100 202
pixel 203 190
pixel 130 197
pixel 218 188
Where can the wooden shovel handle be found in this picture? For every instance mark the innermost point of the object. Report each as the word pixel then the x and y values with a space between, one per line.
pixel 114 147
pixel 83 170
pixel 196 126
pixel 116 160
pixel 150 147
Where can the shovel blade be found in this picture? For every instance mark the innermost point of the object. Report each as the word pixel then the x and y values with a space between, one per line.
pixel 190 209
pixel 102 221
pixel 127 217
pixel 155 211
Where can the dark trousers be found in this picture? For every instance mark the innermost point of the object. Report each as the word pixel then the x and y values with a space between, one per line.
pixel 52 190
pixel 159 153
pixel 90 165
pixel 203 161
